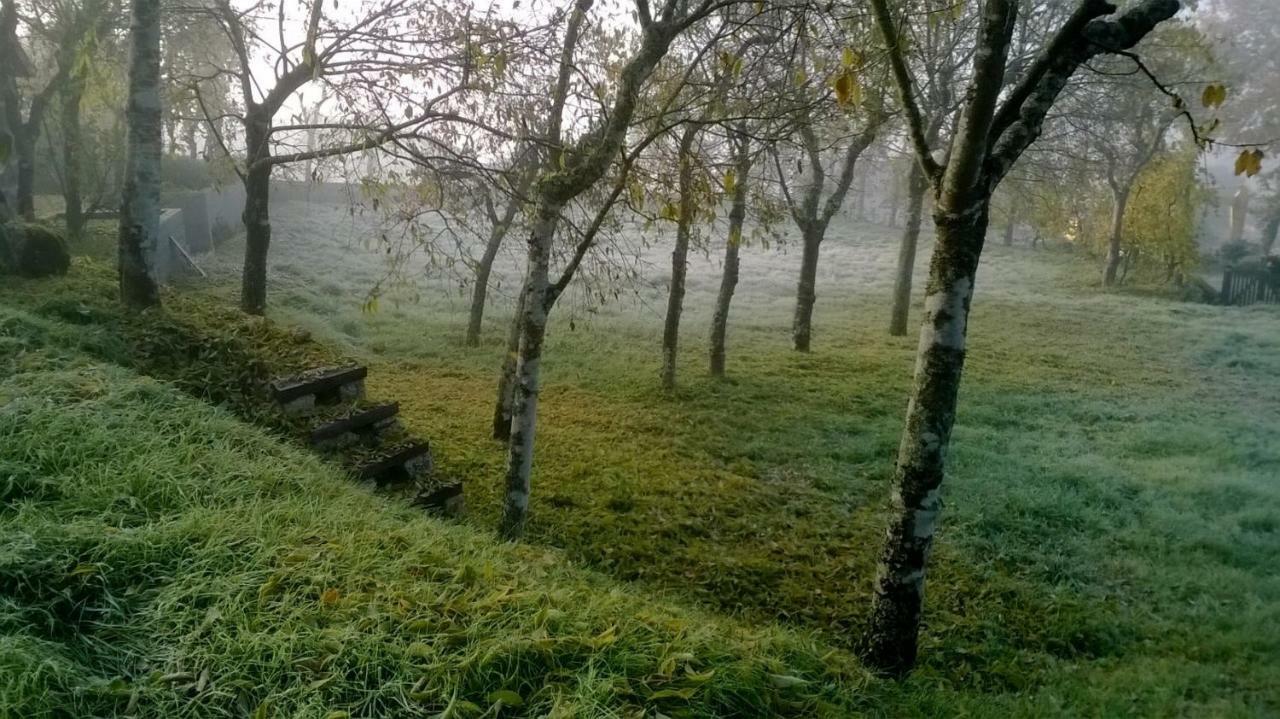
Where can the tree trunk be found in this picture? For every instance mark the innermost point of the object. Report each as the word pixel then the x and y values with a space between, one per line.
pixel 524 411
pixel 860 202
pixel 481 290
pixel 917 185
pixel 71 153
pixel 1121 202
pixel 140 209
pixel 496 235
pixel 1269 233
pixel 729 280
pixel 895 195
pixel 189 137
pixel 806 290
pixel 24 148
pixel 890 642
pixel 257 218
pixel 507 379
pixel 679 260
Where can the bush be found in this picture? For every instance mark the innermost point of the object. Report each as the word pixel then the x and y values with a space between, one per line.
pixel 32 250
pixel 1197 289
pixel 1233 253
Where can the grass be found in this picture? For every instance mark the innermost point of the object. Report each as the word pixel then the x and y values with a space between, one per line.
pixel 163 559
pixel 1112 515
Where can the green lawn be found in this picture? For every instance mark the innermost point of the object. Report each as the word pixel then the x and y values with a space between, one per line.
pixel 1113 509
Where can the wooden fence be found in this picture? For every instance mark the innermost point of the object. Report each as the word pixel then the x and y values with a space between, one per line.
pixel 1247 286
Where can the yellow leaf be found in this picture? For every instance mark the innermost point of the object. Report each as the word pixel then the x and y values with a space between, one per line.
pixel 330 596
pixel 847 90
pixel 1214 95
pixel 1249 163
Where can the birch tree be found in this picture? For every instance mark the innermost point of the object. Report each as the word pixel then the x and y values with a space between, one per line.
pixel 1002 115
pixel 140 207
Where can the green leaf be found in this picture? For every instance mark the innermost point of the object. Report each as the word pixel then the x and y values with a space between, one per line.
pixel 685 693
pixel 786 681
pixel 506 697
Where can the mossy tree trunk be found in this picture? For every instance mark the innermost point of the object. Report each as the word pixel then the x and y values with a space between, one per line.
pixel 679 257
pixel 507 376
pixel 140 209
pixel 996 125
pixel 732 248
pixel 524 406
pixel 257 215
pixel 917 499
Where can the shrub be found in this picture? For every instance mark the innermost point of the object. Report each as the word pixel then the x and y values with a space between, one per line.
pixel 32 250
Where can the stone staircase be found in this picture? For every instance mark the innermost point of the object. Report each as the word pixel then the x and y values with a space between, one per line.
pixel 367 439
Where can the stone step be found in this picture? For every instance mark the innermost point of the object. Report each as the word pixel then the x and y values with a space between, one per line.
pixel 372 419
pixel 447 499
pixel 303 392
pixel 400 464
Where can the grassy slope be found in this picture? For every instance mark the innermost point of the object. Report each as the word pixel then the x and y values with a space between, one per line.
pixel 1112 511
pixel 160 558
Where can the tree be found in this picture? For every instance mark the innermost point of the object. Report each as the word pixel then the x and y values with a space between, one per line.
pixel 65 33
pixel 686 215
pixel 518 179
pixel 939 48
pixel 1128 132
pixel 366 64
pixel 737 182
pixel 1160 225
pixel 1243 36
pixel 140 208
pixel 13 64
pixel 1000 118
pixel 847 134
pixel 579 165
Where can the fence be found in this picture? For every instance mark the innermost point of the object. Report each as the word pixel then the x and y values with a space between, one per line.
pixel 1247 286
